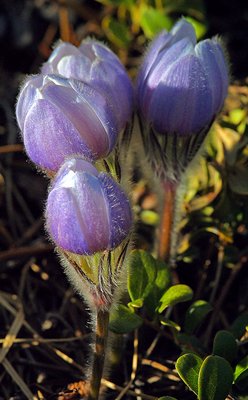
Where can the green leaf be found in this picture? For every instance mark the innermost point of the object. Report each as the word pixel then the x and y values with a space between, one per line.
pixel 163 278
pixel 124 320
pixel 238 180
pixel 190 343
pixel 149 217
pixel 141 274
pixel 167 398
pixel 162 282
pixel 196 314
pixel 152 21
pixel 225 345
pixel 188 368
pixel 117 32
pixel 238 327
pixel 241 373
pixel 190 7
pixel 116 3
pixel 215 379
pixel 170 324
pixel 136 304
pixel 237 115
pixel 175 294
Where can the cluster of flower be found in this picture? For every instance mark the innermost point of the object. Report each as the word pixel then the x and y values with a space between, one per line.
pixel 71 114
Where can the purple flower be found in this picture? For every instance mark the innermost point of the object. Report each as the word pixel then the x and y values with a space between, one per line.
pixel 182 85
pixel 96 64
pixel 87 211
pixel 60 117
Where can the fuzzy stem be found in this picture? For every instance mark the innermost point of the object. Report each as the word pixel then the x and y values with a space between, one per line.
pixel 167 220
pixel 102 321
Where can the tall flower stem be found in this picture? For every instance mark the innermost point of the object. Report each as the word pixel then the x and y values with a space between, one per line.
pixel 167 220
pixel 102 322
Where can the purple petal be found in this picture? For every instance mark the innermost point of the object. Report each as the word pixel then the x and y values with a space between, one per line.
pixel 63 49
pixel 94 49
pixel 75 66
pixel 28 95
pixel 120 215
pixel 115 83
pixel 171 56
pixel 72 165
pixel 182 101
pixel 88 110
pixel 183 29
pixel 100 105
pixel 76 211
pixel 77 215
pixel 49 136
pixel 150 58
pixel 213 61
pixel 86 211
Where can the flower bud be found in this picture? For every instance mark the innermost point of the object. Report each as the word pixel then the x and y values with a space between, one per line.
pixel 96 64
pixel 61 117
pixel 182 85
pixel 87 211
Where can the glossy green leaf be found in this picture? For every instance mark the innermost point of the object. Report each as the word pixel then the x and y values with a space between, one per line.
pixel 238 327
pixel 225 345
pixel 241 373
pixel 124 320
pixel 152 21
pixel 196 314
pixel 175 294
pixel 162 282
pixel 215 379
pixel 141 274
pixel 188 368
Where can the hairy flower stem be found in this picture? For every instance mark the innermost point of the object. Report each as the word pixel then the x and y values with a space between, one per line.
pixel 102 322
pixel 167 220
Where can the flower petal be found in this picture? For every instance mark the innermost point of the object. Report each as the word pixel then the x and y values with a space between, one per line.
pixel 171 56
pixel 183 29
pixel 182 101
pixel 49 136
pixel 120 216
pixel 213 61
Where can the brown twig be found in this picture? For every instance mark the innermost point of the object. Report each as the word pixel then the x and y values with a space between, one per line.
pixel 28 251
pixel 223 294
pixel 11 148
pixel 118 388
pixel 134 366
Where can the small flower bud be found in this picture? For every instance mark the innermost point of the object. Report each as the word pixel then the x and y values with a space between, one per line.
pixel 96 64
pixel 183 84
pixel 181 87
pixel 87 211
pixel 61 117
